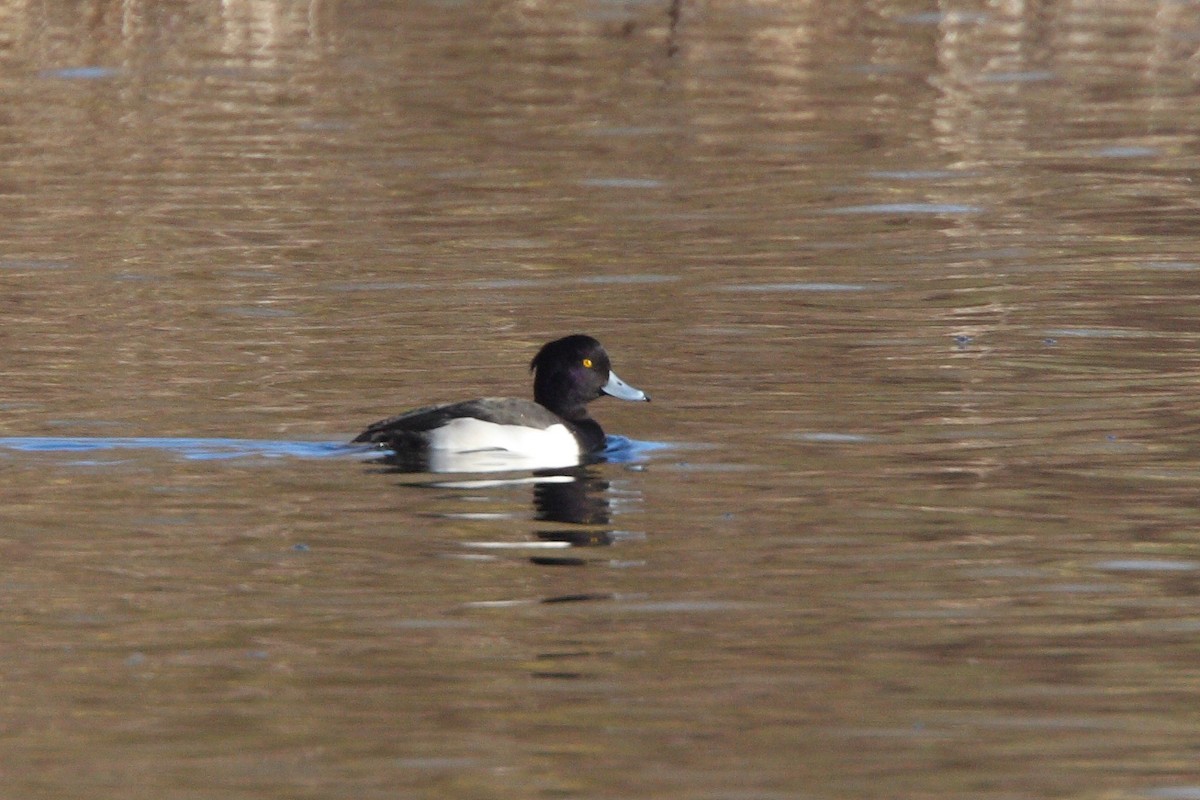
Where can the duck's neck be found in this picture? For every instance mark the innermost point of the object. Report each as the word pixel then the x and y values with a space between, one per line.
pixel 573 411
pixel 588 432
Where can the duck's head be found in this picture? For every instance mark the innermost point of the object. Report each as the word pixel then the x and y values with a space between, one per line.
pixel 571 372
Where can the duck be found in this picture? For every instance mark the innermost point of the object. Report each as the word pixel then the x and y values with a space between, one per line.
pixel 554 430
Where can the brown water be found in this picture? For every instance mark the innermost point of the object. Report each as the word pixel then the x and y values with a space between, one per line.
pixel 914 512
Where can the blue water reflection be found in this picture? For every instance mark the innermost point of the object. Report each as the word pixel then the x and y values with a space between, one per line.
pixel 620 450
pixel 79 73
pixel 189 448
pixel 623 450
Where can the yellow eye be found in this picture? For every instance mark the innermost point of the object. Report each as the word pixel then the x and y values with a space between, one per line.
pixel 587 362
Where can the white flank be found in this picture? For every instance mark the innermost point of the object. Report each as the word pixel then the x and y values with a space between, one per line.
pixel 472 445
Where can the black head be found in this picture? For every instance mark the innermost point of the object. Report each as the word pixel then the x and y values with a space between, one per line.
pixel 571 372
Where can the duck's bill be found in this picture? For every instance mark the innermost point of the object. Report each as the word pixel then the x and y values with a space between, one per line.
pixel 622 390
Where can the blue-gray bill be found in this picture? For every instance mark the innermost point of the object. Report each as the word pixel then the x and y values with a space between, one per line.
pixel 622 390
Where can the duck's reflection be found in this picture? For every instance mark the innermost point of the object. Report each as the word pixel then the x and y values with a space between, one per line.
pixel 579 497
pixel 572 509
pixel 584 501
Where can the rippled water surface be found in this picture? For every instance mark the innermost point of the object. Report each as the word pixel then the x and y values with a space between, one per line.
pixel 913 513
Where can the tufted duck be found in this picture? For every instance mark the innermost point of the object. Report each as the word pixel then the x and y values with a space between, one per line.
pixel 555 431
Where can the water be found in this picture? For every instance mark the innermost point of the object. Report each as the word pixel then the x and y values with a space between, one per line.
pixel 912 512
pixel 197 449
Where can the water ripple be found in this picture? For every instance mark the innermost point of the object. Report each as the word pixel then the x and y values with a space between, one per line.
pixel 1175 793
pixel 831 437
pixel 79 73
pixel 621 183
pixel 799 287
pixel 1147 565
pixel 920 174
pixel 942 18
pixel 908 208
pixel 1124 151
pixel 1023 76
